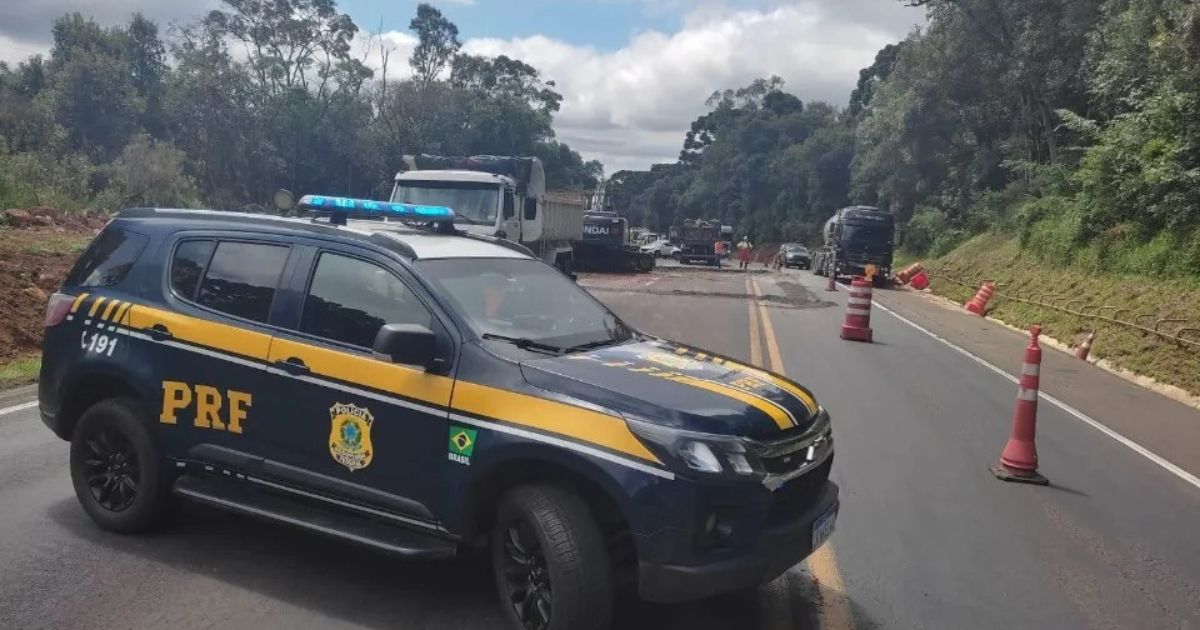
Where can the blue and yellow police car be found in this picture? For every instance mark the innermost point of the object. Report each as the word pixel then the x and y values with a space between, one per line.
pixel 380 378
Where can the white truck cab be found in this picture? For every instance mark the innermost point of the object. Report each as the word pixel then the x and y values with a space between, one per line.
pixel 495 196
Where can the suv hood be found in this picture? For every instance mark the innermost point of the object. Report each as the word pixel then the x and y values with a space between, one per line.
pixel 665 383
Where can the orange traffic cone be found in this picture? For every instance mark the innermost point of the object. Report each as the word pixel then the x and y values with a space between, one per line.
pixel 857 325
pixel 908 272
pixel 1019 460
pixel 978 304
pixel 919 281
pixel 1086 347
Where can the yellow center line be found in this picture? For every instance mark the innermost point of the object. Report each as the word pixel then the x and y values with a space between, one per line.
pixel 756 358
pixel 833 613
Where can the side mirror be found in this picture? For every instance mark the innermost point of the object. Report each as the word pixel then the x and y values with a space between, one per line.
pixel 530 208
pixel 406 344
pixel 509 206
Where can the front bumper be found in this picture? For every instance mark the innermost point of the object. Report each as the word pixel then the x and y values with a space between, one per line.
pixel 777 549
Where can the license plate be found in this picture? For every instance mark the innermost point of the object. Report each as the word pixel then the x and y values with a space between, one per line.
pixel 822 528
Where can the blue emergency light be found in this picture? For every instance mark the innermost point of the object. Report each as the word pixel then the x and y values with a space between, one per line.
pixel 342 207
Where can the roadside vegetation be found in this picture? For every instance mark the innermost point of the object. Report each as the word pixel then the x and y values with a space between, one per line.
pixel 253 97
pixel 1018 271
pixel 1071 125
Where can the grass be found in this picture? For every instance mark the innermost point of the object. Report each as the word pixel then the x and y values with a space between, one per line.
pixel 43 243
pixel 22 371
pixel 1001 259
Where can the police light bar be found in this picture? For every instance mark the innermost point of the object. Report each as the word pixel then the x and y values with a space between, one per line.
pixel 345 206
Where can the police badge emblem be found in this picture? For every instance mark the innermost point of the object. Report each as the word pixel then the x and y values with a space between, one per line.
pixel 350 436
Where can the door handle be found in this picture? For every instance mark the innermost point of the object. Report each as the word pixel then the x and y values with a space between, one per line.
pixel 293 365
pixel 158 332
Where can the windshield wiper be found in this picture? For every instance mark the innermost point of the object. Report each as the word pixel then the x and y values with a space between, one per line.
pixel 524 343
pixel 593 344
pixel 469 220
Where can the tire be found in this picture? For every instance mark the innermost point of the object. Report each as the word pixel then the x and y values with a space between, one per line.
pixel 112 442
pixel 556 532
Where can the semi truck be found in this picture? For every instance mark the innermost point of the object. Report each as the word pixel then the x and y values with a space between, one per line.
pixel 606 246
pixel 855 237
pixel 697 239
pixel 497 196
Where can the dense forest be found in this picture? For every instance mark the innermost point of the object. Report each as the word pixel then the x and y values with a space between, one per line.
pixel 253 97
pixel 1073 124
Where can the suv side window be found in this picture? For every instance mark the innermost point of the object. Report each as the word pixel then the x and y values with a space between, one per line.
pixel 188 264
pixel 108 259
pixel 350 299
pixel 240 279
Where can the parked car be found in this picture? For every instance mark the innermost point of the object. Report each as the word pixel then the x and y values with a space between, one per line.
pixel 422 392
pixel 795 255
pixel 662 248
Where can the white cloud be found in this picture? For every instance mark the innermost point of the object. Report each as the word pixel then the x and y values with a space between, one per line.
pixel 630 107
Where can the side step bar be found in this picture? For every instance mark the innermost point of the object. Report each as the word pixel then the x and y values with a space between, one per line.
pixel 237 497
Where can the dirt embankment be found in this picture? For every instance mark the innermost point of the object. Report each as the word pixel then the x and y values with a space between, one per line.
pixel 37 249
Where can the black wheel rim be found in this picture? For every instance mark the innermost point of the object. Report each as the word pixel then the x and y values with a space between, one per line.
pixel 111 470
pixel 526 576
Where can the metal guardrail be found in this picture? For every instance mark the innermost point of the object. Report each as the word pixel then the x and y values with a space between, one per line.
pixel 1187 335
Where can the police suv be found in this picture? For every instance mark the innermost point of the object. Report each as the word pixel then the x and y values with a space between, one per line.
pixel 396 384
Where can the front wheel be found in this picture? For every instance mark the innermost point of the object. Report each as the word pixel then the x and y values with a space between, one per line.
pixel 117 467
pixel 551 567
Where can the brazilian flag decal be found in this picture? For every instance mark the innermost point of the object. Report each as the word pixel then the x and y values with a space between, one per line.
pixel 462 441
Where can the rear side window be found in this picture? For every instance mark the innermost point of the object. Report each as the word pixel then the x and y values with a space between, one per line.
pixel 187 266
pixel 349 300
pixel 108 259
pixel 240 278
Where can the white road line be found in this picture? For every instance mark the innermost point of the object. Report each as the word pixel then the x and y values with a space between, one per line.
pixel 21 407
pixel 1134 446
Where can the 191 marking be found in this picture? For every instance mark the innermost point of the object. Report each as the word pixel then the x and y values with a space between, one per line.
pixel 98 343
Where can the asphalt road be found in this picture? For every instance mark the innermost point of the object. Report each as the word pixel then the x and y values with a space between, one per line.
pixel 926 537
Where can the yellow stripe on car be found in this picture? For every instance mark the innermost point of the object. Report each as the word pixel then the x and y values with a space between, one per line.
pixel 366 371
pixel 232 339
pixel 96 306
pixel 778 414
pixel 120 314
pixel 551 416
pixel 78 300
pixel 112 306
pixel 562 419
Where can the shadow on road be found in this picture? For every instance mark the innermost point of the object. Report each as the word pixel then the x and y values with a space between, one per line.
pixel 357 586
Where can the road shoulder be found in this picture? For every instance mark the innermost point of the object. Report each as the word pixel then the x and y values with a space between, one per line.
pixel 1157 423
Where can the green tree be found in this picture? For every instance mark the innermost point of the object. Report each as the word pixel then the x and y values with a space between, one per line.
pixel 437 42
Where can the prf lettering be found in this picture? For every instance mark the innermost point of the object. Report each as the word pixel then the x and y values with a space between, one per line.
pixel 207 403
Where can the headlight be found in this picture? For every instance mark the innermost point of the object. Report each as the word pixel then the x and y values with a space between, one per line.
pixel 694 452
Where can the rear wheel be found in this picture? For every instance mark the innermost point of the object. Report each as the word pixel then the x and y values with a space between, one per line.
pixel 117 467
pixel 551 567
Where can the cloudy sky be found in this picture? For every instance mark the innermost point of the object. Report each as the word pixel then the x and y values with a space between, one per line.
pixel 633 73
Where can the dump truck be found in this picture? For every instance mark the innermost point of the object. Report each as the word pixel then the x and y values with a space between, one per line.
pixel 500 196
pixel 697 240
pixel 855 237
pixel 606 246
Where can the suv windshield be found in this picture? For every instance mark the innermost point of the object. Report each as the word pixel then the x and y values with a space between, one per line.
pixel 478 203
pixel 526 300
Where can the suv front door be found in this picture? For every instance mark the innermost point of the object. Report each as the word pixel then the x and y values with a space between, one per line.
pixel 355 425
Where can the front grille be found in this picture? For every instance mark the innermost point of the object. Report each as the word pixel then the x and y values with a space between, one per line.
pixel 796 496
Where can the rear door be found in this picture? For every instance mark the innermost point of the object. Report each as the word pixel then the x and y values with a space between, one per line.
pixel 208 344
pixel 353 425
